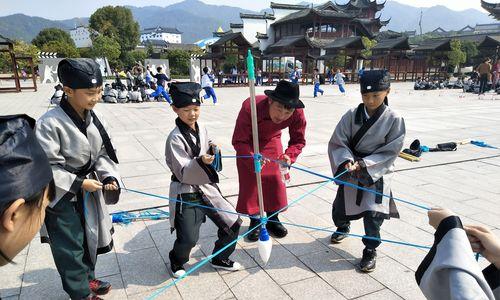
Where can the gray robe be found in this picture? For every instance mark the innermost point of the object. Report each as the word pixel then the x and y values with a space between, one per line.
pixel 376 150
pixel 110 96
pixel 194 176
pixel 449 270
pixel 68 151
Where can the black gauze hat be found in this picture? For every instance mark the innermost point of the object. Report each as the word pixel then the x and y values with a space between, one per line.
pixel 185 93
pixel 286 93
pixel 79 73
pixel 375 81
pixel 24 166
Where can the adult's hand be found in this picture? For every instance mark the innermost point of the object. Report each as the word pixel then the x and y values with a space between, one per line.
pixel 485 242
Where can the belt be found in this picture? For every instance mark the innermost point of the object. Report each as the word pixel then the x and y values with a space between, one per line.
pixel 191 197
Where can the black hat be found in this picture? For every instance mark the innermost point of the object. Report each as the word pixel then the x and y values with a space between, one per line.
pixel 185 93
pixel 79 73
pixel 24 167
pixel 375 81
pixel 286 93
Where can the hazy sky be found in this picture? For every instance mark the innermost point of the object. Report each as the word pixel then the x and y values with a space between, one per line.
pixel 61 9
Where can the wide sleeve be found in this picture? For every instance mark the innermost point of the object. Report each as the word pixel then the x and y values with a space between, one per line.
pixel 242 135
pixel 338 148
pixel 187 170
pixel 492 276
pixel 380 162
pixel 48 135
pixel 449 270
pixel 297 131
pixel 107 170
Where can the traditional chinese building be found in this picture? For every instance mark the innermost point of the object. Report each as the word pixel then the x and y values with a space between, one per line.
pixel 492 8
pixel 305 36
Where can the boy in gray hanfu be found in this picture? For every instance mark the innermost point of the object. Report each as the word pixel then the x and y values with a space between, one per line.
pixel 189 154
pixel 366 141
pixel 86 177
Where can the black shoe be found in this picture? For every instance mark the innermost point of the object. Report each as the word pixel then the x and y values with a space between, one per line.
pixel 254 235
pixel 275 227
pixel 339 235
pixel 226 264
pixel 368 261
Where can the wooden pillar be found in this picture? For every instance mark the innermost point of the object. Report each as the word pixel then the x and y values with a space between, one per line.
pixel 16 74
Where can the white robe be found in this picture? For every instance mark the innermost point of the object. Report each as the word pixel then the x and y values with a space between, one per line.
pixel 194 176
pixel 449 270
pixel 376 151
pixel 68 151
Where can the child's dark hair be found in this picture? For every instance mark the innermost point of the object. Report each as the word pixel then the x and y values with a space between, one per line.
pixel 205 70
pixel 158 69
pixel 58 87
pixel 135 88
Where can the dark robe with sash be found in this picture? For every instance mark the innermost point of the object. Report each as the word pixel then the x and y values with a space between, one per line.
pixel 374 142
pixel 449 270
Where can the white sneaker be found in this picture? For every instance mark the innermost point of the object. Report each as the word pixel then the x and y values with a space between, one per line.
pixel 179 273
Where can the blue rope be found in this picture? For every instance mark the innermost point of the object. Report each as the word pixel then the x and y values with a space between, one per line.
pixel 341 182
pixel 356 235
pixel 207 259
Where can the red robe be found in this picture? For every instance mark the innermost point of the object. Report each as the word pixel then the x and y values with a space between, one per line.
pixel 274 189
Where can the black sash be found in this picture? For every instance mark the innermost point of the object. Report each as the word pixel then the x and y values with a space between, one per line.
pixel 105 137
pixel 360 118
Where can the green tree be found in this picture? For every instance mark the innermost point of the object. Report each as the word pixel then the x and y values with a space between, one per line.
pixel 369 44
pixel 471 51
pixel 52 35
pixel 103 46
pixel 20 49
pixel 131 58
pixel 179 61
pixel 456 56
pixel 62 48
pixel 118 23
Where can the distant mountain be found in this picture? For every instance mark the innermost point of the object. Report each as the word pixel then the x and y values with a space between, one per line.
pixel 198 20
pixel 195 24
pixel 22 27
pixel 406 17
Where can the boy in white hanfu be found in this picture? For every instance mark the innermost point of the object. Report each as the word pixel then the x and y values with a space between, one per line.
pixel 189 153
pixel 366 141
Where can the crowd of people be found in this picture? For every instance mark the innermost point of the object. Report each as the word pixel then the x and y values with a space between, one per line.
pixel 64 174
pixel 485 77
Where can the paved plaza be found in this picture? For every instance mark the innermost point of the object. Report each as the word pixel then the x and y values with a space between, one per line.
pixel 303 265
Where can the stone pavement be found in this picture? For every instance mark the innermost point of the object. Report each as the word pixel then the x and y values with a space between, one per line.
pixel 303 265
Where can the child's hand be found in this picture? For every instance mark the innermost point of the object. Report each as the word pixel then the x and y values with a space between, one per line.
pixel 91 185
pixel 353 167
pixel 207 159
pixel 111 186
pixel 485 242
pixel 438 214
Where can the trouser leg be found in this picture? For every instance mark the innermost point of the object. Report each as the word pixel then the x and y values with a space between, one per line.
pixel 67 241
pixel 187 226
pixel 372 229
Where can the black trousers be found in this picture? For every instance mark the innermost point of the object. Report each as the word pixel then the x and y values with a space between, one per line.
pixel 483 81
pixel 372 226
pixel 188 220
pixel 69 249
